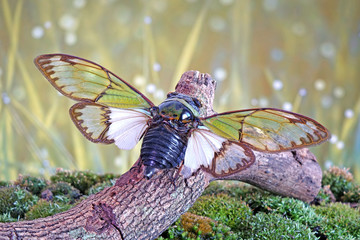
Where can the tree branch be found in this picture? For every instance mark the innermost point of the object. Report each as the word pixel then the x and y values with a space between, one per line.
pixel 137 208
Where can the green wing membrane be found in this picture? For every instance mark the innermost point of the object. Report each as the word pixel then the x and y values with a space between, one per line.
pixel 85 81
pixel 267 129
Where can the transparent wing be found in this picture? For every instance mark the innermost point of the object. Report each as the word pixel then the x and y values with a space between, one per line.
pixel 267 129
pixel 83 80
pixel 108 125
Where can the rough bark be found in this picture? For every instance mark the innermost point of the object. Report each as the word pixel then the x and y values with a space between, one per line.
pixel 136 208
pixel 292 174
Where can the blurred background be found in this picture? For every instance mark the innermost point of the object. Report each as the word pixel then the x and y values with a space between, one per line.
pixel 302 56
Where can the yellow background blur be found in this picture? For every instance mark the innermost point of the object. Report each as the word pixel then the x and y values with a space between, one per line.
pixel 302 56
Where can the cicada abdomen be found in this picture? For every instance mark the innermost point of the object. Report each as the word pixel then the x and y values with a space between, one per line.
pixel 163 147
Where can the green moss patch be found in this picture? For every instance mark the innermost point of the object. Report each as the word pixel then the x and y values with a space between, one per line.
pixel 246 212
pixel 44 208
pixel 32 197
pixel 15 201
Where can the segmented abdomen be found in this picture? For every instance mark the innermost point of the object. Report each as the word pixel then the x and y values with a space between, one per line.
pixel 162 147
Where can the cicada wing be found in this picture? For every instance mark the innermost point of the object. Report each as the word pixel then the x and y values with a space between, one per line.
pixel 215 154
pixel 104 124
pixel 201 149
pixel 83 80
pixel 267 129
pixel 232 158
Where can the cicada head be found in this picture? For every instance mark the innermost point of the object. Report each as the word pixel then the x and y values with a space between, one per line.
pixel 180 107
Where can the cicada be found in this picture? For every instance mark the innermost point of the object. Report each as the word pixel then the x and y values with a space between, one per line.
pixel 110 110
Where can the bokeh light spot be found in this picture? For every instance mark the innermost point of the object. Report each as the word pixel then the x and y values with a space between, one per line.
pixel 254 102
pixel 151 88
pixel 47 24
pixel 147 20
pixel 263 102
pixel 287 106
pixel 319 84
pixel 37 32
pixel 5 98
pixel 326 101
pixel 339 92
pixel 333 139
pixel 157 67
pixel 139 80
pixel 119 161
pixel 340 145
pixel 220 74
pixel 302 92
pixel 327 50
pixel 68 22
pixel 349 113
pixel 70 38
pixel 277 84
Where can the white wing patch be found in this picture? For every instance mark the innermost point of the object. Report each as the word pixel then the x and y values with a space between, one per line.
pixel 201 148
pixel 127 126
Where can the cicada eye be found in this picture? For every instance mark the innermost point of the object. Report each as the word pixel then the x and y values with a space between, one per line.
pixel 186 116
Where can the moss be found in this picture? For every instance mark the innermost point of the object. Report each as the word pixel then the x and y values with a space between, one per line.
pixel 191 226
pixel 222 232
pixel 232 188
pixel 217 187
pixel 176 231
pixel 63 192
pixel 81 180
pixel 278 216
pixel 340 181
pixel 6 217
pixel 108 177
pixel 33 184
pixel 353 195
pixel 65 189
pixel 293 209
pixel 223 208
pixel 339 220
pixel 4 184
pixel 44 208
pixel 275 226
pixel 16 201
pixel 195 223
pixel 101 186
pixel 324 196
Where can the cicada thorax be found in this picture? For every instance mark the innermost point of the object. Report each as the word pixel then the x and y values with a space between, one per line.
pixel 164 143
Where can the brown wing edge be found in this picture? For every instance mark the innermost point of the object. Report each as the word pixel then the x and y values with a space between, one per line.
pixel 223 154
pixel 73 115
pixel 67 58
